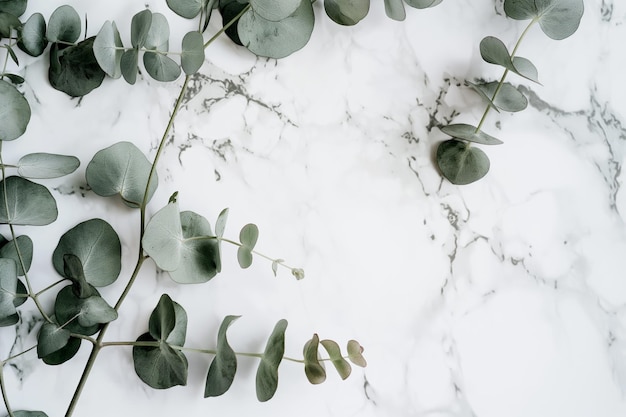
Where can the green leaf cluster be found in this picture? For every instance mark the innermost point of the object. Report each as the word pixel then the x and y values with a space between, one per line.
pixel 457 160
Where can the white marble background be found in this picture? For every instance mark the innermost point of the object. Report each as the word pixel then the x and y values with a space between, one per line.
pixel 502 298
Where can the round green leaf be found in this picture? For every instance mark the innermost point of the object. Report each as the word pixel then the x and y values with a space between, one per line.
pixel 8 23
pixel 159 367
pixel 159 33
pixel 128 65
pixel 313 368
pixel 395 9
pixel 139 27
pixel 224 365
pixel 64 25
pixel 8 288
pixel 494 51
pixel 10 251
pixel 347 12
pixel 249 235
pixel 275 11
pixel 27 203
pixel 106 49
pixel 267 372
pixel 32 36
pixel 95 310
pixel 526 69
pixel 14 7
pixel 97 246
pixel 163 237
pixel 46 165
pixel 460 163
pixel 74 69
pixel 51 338
pixel 15 79
pixel 192 56
pixel 185 8
pixel 277 39
pixel 355 353
pixel 334 352
pixel 65 353
pixel 244 257
pixel 161 67
pixel 163 319
pixel 422 4
pixel 121 169
pixel 509 98
pixel 200 258
pixel 469 133
pixel 14 112
pixel 68 307
pixel 558 19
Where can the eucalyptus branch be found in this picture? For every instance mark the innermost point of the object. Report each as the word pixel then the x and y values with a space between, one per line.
pixel 3 388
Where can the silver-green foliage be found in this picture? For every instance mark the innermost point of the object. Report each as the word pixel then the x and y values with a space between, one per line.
pixel 457 160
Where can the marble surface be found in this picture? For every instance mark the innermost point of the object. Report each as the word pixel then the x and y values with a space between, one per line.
pixel 506 297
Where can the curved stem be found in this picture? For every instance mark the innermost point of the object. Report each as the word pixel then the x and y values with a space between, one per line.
pixel 506 72
pixel 5 397
pixel 17 355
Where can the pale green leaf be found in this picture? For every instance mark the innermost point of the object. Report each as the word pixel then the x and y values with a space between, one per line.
pixel 64 25
pixel 32 35
pixel 46 165
pixel 422 4
pixel 508 98
pixel 128 65
pixel 161 67
pixel 355 353
pixel 347 12
pixel 558 19
pixel 27 203
pixel 275 11
pixel 163 237
pixel 244 257
pixel 192 56
pixel 10 251
pixel 185 8
pixel 14 112
pixel 469 133
pixel 107 48
pixel 139 28
pixel 395 9
pixel 95 310
pixel 159 33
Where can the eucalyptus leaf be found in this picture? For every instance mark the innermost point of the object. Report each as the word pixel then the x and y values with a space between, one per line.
pixel 98 248
pixel 15 79
pixel 10 251
pixel 74 69
pixel 22 294
pixel 27 203
pixel 95 310
pixel 107 49
pixel 422 4
pixel 163 319
pixel 121 169
pixel 161 67
pixel 275 11
pixel 64 25
pixel 128 65
pixel 192 56
pixel 200 256
pixel 14 7
pixel 395 9
pixel 163 237
pixel 14 112
pixel 68 307
pixel 65 353
pixel 224 365
pixel 8 287
pixel 495 52
pixel 12 54
pixel 158 34
pixel 220 223
pixel 347 12
pixel 23 413
pixel 32 35
pixel 508 98
pixel 249 235
pixel 526 69
pixel 179 333
pixel 460 163
pixel 159 367
pixel 334 352
pixel 267 372
pixel 229 9
pixel 8 23
pixel 470 133
pixel 139 28
pixel 73 270
pixel 314 370
pixel 558 19
pixel 355 353
pixel 277 39
pixel 46 165
pixel 50 339
pixel 244 257
pixel 185 8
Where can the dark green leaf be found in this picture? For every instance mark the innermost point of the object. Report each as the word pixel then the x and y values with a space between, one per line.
pixel 460 163
pixel 74 69
pixel 159 367
pixel 355 353
pixel 121 169
pixel 32 36
pixel 15 79
pixel 314 370
pixel 508 99
pixel 107 49
pixel 14 112
pixel 275 11
pixel 50 339
pixel 469 133
pixel 229 10
pixel 8 22
pixel 163 319
pixel 10 251
pixel 161 67
pixel 14 7
pixel 46 165
pixel 267 372
pixel 277 39
pixel 65 353
pixel 98 248
pixel 139 27
pixel 22 413
pixel 73 270
pixel 558 18
pixel 185 8
pixel 224 365
pixel 395 9
pixel 12 54
pixel 348 12
pixel 334 351
pixel 28 203
pixel 64 25
pixel 128 65
pixel 68 306
pixel 21 289
pixel 8 288
pixel 192 56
